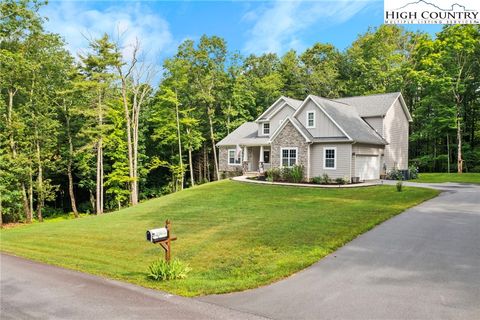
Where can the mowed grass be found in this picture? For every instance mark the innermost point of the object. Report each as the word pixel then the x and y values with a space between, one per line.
pixel 233 235
pixel 448 177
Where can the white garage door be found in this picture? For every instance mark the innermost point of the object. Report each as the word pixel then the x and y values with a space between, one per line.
pixel 367 167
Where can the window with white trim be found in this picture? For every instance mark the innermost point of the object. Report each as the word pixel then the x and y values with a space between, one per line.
pixel 329 158
pixel 233 160
pixel 311 119
pixel 266 128
pixel 289 157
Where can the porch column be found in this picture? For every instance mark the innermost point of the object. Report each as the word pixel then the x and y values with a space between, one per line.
pixel 308 162
pixel 260 160
pixel 245 159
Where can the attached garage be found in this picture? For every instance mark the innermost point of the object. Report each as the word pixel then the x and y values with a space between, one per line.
pixel 367 167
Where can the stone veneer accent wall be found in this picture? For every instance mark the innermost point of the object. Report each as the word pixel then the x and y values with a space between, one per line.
pixel 223 160
pixel 289 137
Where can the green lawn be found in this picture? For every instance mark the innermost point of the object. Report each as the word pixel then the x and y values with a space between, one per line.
pixel 448 177
pixel 233 235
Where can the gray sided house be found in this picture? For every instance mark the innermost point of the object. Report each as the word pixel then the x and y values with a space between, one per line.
pixel 360 137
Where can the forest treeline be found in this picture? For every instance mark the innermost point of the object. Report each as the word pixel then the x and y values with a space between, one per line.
pixel 92 133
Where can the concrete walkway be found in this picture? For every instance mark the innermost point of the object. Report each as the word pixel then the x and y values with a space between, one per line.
pixel 310 185
pixel 421 264
pixel 31 290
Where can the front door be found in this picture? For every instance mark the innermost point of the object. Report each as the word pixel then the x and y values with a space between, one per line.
pixel 266 156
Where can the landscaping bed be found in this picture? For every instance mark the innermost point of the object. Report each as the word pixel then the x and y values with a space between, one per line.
pixel 331 183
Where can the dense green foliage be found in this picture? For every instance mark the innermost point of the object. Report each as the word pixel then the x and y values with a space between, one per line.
pixel 162 270
pixel 92 133
pixel 233 235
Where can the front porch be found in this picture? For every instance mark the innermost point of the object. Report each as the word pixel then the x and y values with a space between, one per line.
pixel 255 159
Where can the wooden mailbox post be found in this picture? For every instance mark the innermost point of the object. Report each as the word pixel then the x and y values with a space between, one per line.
pixel 166 243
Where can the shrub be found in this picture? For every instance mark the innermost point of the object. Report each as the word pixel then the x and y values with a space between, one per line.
pixel 394 174
pixel 292 174
pixel 273 174
pixel 413 172
pixel 296 174
pixel 286 174
pixel 317 180
pixel 399 186
pixel 161 270
pixel 326 179
pixel 340 181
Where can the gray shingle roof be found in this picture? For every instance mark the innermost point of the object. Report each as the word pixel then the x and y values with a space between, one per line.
pixel 294 103
pixel 349 120
pixel 246 134
pixel 346 112
pixel 373 105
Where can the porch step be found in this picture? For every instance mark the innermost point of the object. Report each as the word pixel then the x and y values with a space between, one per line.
pixel 251 173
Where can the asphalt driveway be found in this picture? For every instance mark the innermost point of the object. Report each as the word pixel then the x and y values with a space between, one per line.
pixel 31 290
pixel 421 264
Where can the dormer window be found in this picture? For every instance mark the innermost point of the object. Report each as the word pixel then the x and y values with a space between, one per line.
pixel 311 119
pixel 266 128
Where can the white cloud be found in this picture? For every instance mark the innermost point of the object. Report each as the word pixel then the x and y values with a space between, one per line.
pixel 278 27
pixel 78 22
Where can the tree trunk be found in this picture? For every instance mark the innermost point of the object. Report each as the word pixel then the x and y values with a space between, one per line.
pixel 11 94
pixel 69 164
pixel 28 213
pixel 199 162
pixel 209 175
pixel 92 200
pixel 40 193
pixel 190 166
pixel 133 187
pixel 99 191
pixel 70 189
pixel 205 164
pixel 30 194
pixel 459 151
pixel 134 184
pixel 180 160
pixel 212 137
pixel 448 154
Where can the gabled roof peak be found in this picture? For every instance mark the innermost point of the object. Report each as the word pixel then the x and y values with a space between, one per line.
pixel 293 103
pixel 297 125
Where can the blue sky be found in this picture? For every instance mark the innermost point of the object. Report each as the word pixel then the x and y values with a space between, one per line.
pixel 247 26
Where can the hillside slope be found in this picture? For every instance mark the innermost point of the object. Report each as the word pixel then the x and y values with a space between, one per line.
pixel 233 235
